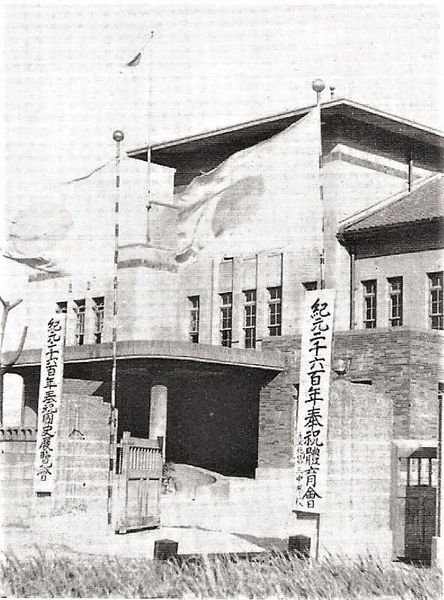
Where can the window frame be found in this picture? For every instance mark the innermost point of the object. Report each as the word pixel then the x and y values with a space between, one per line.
pixel 226 319
pixel 274 311
pixel 99 318
pixel 436 317
pixel 370 302
pixel 80 311
pixel 250 318
pixel 396 301
pixel 310 286
pixel 62 308
pixel 194 320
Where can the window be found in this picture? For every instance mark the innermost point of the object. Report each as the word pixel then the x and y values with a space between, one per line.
pixel 396 300
pixel 422 467
pixel 99 316
pixel 79 309
pixel 62 307
pixel 274 310
pixel 435 300
pixel 369 303
pixel 250 318
pixel 226 319
pixel 310 286
pixel 194 304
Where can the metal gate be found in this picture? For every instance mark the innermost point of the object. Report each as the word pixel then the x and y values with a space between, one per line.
pixel 139 479
pixel 420 504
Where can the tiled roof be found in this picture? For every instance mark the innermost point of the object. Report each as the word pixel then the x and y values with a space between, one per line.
pixel 421 204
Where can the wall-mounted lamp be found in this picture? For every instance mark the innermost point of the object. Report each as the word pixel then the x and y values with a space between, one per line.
pixel 341 366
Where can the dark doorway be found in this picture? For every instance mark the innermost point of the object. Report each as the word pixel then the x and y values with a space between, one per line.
pixel 213 422
pixel 420 505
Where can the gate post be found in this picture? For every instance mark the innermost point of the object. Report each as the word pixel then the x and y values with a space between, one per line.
pixel 158 413
pixel 125 445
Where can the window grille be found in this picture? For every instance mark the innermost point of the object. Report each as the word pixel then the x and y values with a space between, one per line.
pixel 422 468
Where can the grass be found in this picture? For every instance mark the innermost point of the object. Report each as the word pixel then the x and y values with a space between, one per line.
pixel 273 575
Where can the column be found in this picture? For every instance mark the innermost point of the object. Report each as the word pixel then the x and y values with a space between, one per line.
pixel 158 413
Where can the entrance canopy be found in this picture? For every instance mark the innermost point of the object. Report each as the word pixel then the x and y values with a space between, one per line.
pixel 181 351
pixel 211 394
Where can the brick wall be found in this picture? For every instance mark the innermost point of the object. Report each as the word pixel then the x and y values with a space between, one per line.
pixel 427 370
pixel 276 421
pixel 406 365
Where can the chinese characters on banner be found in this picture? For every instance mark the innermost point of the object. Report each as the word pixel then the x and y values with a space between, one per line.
pixel 50 393
pixel 312 415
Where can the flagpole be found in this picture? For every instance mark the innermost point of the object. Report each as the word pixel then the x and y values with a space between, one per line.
pixel 318 87
pixel 118 136
pixel 148 151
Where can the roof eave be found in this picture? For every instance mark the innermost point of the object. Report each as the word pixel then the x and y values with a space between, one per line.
pixel 420 130
pixel 347 237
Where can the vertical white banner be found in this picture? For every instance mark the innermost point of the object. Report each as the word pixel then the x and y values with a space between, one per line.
pixel 50 393
pixel 312 415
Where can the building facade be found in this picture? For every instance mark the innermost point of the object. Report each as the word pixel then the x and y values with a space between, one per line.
pixel 217 337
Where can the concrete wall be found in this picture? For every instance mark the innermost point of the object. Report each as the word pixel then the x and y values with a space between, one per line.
pixel 208 278
pixel 358 504
pixel 44 294
pixel 17 456
pixel 147 300
pixel 357 517
pixel 151 286
pixel 82 467
pixel 147 303
pixel 359 495
pixel 353 180
pixel 413 268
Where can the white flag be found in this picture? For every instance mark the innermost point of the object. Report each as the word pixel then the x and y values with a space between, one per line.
pixel 70 229
pixel 264 197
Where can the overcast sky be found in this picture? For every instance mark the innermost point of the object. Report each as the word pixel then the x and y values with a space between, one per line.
pixel 209 66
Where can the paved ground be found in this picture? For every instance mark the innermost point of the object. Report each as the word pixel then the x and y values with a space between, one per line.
pixel 24 542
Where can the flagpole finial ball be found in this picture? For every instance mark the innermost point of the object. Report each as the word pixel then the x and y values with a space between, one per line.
pixel 118 136
pixel 318 85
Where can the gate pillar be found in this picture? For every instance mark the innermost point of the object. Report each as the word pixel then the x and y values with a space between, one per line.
pixel 158 413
